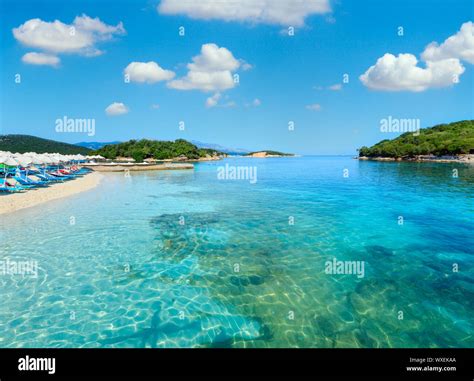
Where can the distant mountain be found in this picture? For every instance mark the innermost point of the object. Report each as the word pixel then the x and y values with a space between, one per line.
pixel 95 145
pixel 28 143
pixel 217 147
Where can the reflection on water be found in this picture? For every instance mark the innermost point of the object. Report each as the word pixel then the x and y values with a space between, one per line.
pixel 180 259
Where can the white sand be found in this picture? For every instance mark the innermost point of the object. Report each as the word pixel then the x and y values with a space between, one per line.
pixel 16 201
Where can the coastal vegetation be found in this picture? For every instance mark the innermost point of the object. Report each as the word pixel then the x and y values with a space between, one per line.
pixel 156 149
pixel 28 143
pixel 444 139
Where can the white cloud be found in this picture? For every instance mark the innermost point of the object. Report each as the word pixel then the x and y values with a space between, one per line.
pixel 335 87
pixel 213 100
pixel 245 65
pixel 255 103
pixel 155 106
pixel 213 58
pixel 80 37
pixel 210 71
pixel 401 73
pixel 116 108
pixel 280 12
pixel 460 45
pixel 147 72
pixel 101 30
pixel 195 80
pixel 442 65
pixel 314 107
pixel 34 58
pixel 230 104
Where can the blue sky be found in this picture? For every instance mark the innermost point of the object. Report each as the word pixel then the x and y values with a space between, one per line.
pixel 282 78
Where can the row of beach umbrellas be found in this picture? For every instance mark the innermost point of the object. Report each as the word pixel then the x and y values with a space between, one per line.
pixel 33 158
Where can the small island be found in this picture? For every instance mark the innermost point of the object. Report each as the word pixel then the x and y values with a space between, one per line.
pixel 268 153
pixel 453 142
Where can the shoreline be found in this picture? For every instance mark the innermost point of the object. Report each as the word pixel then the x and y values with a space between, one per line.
pixel 121 167
pixel 17 201
pixel 463 159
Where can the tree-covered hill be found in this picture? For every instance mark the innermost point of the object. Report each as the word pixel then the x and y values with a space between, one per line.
pixel 445 139
pixel 28 143
pixel 160 150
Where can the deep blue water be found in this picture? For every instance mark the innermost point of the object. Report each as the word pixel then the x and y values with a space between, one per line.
pixel 181 258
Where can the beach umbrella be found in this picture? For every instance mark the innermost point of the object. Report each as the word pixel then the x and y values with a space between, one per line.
pixel 44 160
pixel 24 161
pixel 47 159
pixel 3 158
pixel 10 161
pixel 37 159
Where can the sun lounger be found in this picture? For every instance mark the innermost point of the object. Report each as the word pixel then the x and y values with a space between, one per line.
pixel 25 180
pixel 7 187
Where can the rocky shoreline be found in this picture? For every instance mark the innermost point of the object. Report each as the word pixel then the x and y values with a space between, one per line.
pixel 466 159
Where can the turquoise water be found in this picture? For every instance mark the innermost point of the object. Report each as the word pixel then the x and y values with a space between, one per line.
pixel 182 259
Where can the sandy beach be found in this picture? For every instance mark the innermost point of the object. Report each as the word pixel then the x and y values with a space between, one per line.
pixel 16 201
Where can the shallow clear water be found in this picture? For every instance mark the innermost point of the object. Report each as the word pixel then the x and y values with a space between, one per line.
pixel 180 258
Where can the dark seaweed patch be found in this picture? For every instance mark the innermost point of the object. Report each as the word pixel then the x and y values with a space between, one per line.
pixel 379 251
